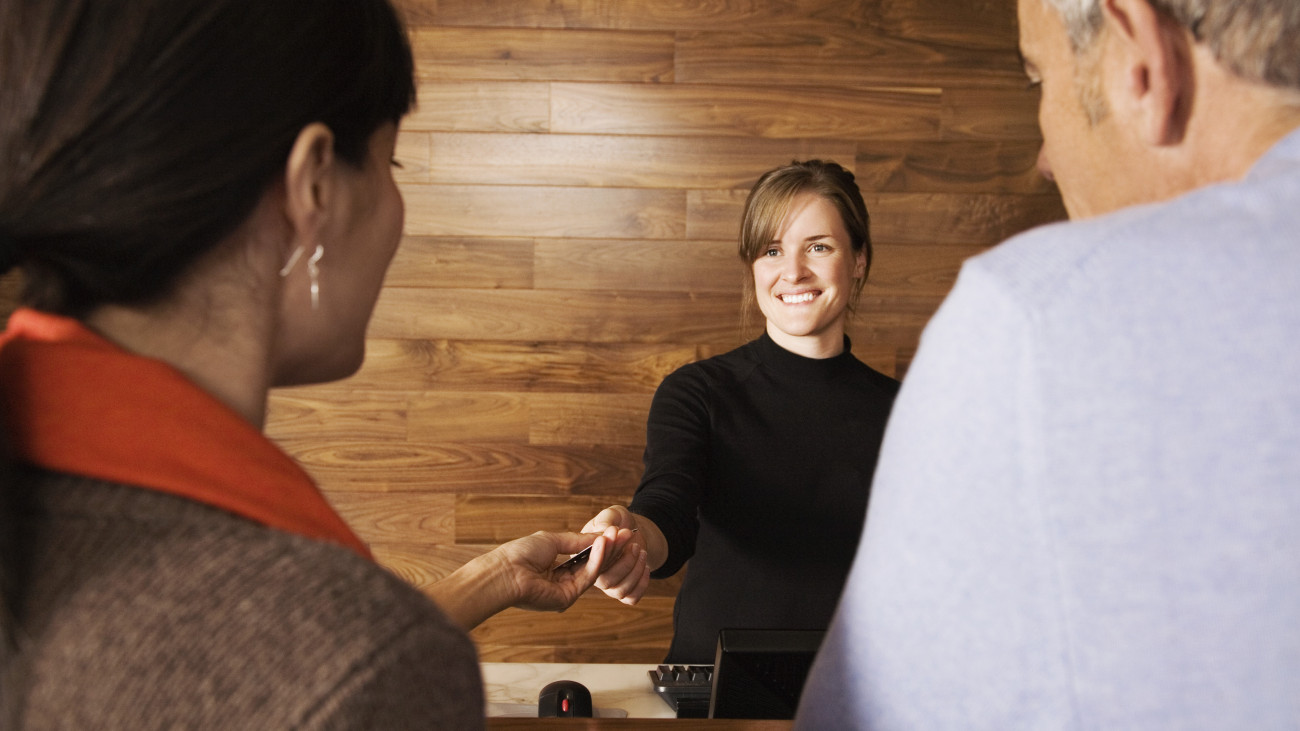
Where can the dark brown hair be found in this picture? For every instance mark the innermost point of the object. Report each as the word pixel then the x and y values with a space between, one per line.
pixel 136 134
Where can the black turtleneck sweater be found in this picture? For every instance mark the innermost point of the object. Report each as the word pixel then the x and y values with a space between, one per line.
pixel 758 464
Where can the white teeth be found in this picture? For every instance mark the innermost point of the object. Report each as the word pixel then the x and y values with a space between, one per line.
pixel 794 299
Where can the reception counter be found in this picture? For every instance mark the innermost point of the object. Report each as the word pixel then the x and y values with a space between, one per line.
pixel 622 696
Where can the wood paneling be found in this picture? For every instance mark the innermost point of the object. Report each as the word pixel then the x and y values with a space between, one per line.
pixel 855 56
pixel 451 106
pixel 613 161
pixel 524 54
pixel 484 468
pixel 574 174
pixel 807 111
pixel 506 211
pixel 976 23
pixel 1004 166
pixel 462 365
pixel 656 266
pixel 565 315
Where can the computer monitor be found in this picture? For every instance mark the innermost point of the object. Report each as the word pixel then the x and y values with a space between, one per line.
pixel 759 673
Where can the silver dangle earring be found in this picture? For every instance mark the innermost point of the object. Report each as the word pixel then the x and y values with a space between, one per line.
pixel 293 259
pixel 313 270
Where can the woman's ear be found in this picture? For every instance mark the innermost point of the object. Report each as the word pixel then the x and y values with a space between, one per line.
pixel 1152 69
pixel 860 264
pixel 309 180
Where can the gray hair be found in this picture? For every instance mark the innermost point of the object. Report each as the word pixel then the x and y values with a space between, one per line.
pixel 1258 40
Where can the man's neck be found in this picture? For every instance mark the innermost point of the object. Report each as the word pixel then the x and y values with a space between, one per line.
pixel 1235 123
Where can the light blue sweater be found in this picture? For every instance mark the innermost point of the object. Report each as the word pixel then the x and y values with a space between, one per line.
pixel 1087 508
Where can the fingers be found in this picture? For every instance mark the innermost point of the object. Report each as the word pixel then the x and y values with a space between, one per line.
pixel 600 553
pixel 627 578
pixel 615 515
pixel 569 542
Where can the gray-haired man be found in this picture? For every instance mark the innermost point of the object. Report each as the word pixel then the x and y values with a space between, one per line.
pixel 1086 507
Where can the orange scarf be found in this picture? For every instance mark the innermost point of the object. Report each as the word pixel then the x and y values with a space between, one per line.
pixel 76 403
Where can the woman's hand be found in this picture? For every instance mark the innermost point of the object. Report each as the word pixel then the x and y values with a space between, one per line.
pixel 531 565
pixel 521 573
pixel 627 574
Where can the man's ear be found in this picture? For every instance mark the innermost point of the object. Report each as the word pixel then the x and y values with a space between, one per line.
pixel 1151 68
pixel 309 180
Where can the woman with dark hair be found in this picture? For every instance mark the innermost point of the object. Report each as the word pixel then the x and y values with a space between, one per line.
pixel 199 194
pixel 758 462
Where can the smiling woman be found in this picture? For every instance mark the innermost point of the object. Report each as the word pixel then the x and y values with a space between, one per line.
pixel 758 462
pixel 806 278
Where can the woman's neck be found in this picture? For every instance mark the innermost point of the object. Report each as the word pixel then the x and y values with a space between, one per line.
pixel 217 333
pixel 822 345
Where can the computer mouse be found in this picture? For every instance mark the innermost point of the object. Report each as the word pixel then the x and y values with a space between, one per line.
pixel 564 699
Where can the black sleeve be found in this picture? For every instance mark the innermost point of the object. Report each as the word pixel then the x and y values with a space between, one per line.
pixel 676 463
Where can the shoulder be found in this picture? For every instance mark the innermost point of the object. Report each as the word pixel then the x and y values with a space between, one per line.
pixel 394 659
pixel 875 380
pixel 1217 225
pixel 281 626
pixel 729 366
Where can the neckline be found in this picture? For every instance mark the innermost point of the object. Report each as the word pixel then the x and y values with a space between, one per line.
pixel 77 403
pixel 778 358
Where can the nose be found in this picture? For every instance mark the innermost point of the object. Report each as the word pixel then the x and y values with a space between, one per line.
pixel 1044 165
pixel 794 267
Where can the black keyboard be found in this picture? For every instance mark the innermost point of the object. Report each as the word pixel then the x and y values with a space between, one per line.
pixel 685 688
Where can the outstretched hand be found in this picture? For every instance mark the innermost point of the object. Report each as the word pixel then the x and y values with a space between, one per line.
pixel 627 574
pixel 540 586
pixel 521 573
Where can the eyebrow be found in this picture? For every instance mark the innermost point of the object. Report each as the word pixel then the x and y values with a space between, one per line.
pixel 808 239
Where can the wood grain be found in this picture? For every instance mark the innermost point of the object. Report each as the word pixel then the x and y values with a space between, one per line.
pixel 762 111
pixel 916 270
pixel 991 114
pixel 558 212
pixel 979 23
pixel 481 106
pixel 535 315
pixel 588 418
pixel 512 54
pixel 307 413
pixel 1002 166
pixel 495 518
pixel 461 365
pixel 417 518
pixel 461 467
pixel 826 56
pixel 481 263
pixel 594 620
pixel 648 266
pixel 613 161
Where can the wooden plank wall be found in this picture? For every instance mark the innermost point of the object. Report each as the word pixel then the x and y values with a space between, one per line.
pixel 573 177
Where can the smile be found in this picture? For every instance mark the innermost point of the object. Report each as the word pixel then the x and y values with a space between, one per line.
pixel 797 299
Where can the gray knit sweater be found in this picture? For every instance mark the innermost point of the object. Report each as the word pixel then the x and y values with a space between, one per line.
pixel 146 611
